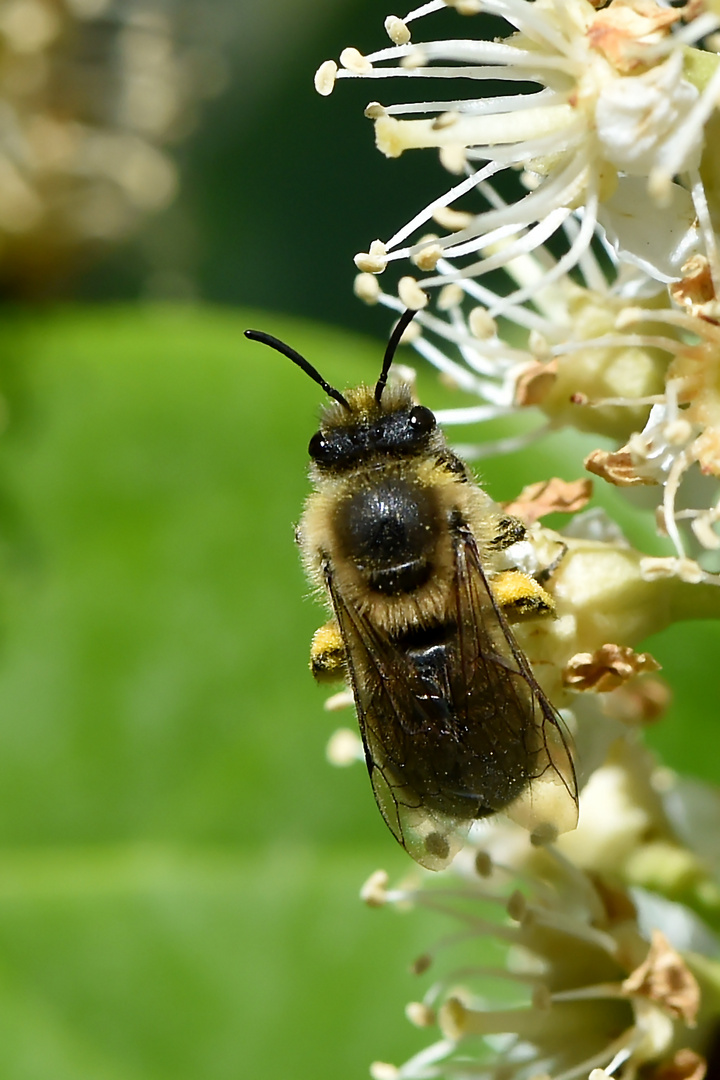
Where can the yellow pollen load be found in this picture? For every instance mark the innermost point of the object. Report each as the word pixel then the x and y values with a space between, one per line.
pixel 521 594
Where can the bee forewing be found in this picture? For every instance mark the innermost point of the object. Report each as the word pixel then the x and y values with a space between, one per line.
pixel 546 807
pixel 430 838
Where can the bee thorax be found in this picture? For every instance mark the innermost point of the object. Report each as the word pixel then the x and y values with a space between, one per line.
pixel 388 530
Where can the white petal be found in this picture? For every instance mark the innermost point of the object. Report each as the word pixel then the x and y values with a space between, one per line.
pixel 630 219
pixel 636 116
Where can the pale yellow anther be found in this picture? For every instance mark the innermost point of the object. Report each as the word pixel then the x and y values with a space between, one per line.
pixel 354 61
pixel 678 432
pixel 452 220
pixel 29 27
pixel 344 748
pixel 411 294
pixel 342 700
pixel 374 110
pixel 419 1014
pixel 428 258
pixel 530 180
pixel 412 333
pixel 416 58
pixel 689 571
pixel 373 261
pixel 482 325
pixel 703 528
pixel 421 965
pixel 517 906
pixel 658 568
pixel 367 288
pixel 483 864
pixel 445 120
pixel 541 998
pixel 660 187
pixel 383 1070
pixel 453 1018
pixel 403 373
pixel 453 158
pixel 538 345
pixel 397 30
pixel 628 316
pixel 374 891
pixel 325 77
pixel 546 832
pixel 450 296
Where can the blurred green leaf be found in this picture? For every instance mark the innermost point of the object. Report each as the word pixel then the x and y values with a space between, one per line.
pixel 179 866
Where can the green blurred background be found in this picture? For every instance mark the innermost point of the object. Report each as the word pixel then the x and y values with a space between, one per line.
pixel 179 866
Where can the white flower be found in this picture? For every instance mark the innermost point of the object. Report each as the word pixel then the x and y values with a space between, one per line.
pixel 636 116
pixel 611 146
pixel 592 358
pixel 613 100
pixel 634 233
pixel 573 960
pixel 586 974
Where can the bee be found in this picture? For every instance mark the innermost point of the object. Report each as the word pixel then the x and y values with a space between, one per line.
pixel 408 551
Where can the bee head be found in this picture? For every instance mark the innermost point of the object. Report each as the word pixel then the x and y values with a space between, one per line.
pixel 362 423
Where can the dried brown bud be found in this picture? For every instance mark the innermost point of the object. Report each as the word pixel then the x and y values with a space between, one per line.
pixel 616 467
pixel 554 496
pixel 616 30
pixel 685 1064
pixel 695 290
pixel 607 668
pixel 665 978
pixel 535 382
pixel 638 703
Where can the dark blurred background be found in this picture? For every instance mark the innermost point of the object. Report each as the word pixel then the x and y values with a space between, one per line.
pixel 278 187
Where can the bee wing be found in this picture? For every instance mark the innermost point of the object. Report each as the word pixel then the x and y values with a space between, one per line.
pixel 392 709
pixel 495 667
pixel 460 732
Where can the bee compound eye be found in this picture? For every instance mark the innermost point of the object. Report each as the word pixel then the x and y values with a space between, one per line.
pixel 318 446
pixel 422 420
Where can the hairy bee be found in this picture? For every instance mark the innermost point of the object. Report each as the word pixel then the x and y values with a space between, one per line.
pixel 408 550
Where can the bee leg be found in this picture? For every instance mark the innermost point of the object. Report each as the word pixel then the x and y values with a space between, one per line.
pixel 520 596
pixel 548 572
pixel 327 653
pixel 510 530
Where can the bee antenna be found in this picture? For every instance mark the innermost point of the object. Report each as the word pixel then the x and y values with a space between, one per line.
pixel 286 350
pixel 400 328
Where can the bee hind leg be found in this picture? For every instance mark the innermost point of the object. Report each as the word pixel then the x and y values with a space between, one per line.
pixel 520 596
pixel 327 653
